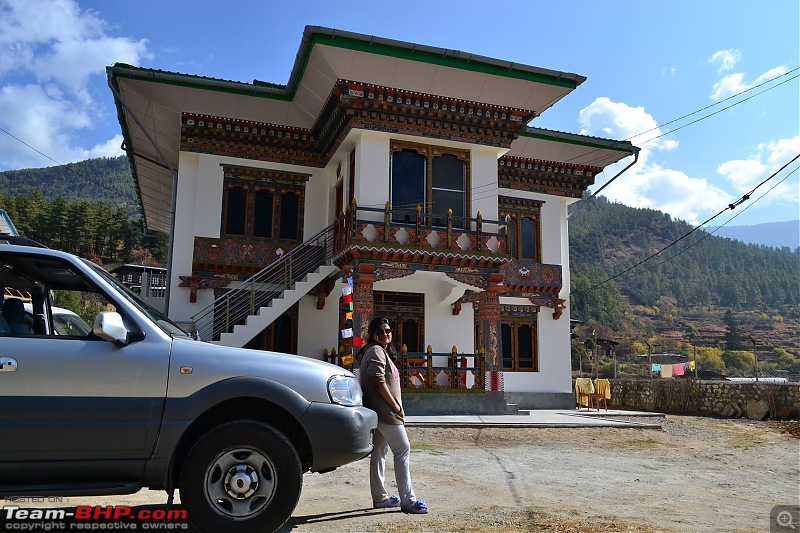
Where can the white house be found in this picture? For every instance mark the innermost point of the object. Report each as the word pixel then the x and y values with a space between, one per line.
pixel 407 169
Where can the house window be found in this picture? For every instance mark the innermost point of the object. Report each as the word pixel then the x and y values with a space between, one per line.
pixel 519 351
pixel 262 213
pixel 524 227
pixel 235 210
pixel 290 215
pixel 435 178
pixel 262 204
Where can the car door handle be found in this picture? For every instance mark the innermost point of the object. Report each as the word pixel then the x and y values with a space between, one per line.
pixel 8 364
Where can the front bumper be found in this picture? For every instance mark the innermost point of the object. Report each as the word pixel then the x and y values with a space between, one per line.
pixel 338 434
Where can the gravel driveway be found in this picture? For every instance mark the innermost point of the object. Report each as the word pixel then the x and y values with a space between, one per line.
pixel 693 475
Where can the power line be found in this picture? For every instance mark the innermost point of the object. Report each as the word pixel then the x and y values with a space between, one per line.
pixel 720 102
pixel 31 147
pixel 700 110
pixel 710 233
pixel 65 165
pixel 730 206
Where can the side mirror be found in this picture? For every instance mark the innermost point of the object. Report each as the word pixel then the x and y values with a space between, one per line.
pixel 108 325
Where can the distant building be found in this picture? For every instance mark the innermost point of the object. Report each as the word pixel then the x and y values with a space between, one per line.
pixel 664 358
pixel 147 281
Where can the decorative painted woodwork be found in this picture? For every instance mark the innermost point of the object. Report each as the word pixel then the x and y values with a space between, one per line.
pixel 489 330
pixel 352 104
pixel 546 177
pixel 526 276
pixel 362 239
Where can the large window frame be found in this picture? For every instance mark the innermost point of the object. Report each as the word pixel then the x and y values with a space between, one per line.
pixel 262 204
pixel 524 227
pixel 438 186
pixel 519 348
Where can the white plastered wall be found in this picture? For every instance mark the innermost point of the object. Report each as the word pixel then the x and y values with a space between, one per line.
pixel 443 330
pixel 553 335
pixel 318 329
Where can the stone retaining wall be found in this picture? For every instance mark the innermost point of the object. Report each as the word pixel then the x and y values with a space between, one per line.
pixel 708 398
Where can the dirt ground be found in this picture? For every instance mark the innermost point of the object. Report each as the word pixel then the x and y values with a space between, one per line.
pixel 693 475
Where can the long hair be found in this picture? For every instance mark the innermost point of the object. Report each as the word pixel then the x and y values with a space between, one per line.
pixel 372 338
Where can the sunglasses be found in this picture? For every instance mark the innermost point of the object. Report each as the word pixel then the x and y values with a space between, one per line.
pixel 384 332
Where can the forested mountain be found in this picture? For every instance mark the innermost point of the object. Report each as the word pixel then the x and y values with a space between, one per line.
pixel 106 179
pixel 719 294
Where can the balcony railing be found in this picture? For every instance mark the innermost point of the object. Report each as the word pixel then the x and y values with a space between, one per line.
pixel 442 371
pixel 411 229
pixel 429 370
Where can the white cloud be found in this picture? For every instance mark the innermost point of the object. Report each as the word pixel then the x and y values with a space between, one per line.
pixel 50 52
pixel 669 71
pixel 648 184
pixel 110 148
pixel 726 59
pixel 604 118
pixel 745 175
pixel 735 84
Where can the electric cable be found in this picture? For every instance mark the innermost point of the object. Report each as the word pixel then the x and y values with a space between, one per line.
pixel 730 206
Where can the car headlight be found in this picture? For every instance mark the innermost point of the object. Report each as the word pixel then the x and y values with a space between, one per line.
pixel 344 390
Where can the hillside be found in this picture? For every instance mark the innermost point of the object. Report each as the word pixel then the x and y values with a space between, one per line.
pixel 106 179
pixel 685 290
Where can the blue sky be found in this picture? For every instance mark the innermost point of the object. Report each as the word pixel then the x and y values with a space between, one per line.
pixel 648 63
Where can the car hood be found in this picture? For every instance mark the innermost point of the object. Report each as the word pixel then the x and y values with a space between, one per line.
pixel 211 363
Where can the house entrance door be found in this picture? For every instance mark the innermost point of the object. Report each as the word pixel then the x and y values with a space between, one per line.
pixel 406 312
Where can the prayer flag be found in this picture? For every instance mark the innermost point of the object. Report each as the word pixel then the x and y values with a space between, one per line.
pixel 691 366
pixel 350 281
pixel 655 367
pixel 347 333
pixel 358 341
pixel 347 298
pixel 347 290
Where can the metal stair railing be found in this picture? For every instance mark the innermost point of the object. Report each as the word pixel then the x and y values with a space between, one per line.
pixel 256 292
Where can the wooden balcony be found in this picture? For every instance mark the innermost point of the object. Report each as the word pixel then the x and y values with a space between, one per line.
pixel 430 371
pixel 442 372
pixel 411 236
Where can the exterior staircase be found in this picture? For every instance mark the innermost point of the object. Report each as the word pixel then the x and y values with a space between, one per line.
pixel 245 310
pixel 264 316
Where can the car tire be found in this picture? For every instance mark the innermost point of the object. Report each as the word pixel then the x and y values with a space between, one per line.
pixel 241 476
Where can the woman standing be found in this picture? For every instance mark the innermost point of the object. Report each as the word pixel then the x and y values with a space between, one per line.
pixel 381 384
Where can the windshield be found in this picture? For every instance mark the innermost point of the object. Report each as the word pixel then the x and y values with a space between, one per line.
pixel 154 314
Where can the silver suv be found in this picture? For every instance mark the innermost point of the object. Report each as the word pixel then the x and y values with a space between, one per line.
pixel 137 403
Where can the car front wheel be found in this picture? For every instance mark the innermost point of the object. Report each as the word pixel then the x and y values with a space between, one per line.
pixel 241 476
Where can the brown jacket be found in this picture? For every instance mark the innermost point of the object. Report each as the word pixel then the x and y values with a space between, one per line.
pixel 377 367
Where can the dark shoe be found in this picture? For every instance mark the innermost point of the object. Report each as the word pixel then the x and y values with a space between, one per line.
pixel 418 507
pixel 392 501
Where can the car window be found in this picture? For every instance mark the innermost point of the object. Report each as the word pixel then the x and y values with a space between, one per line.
pixel 47 296
pixel 70 325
